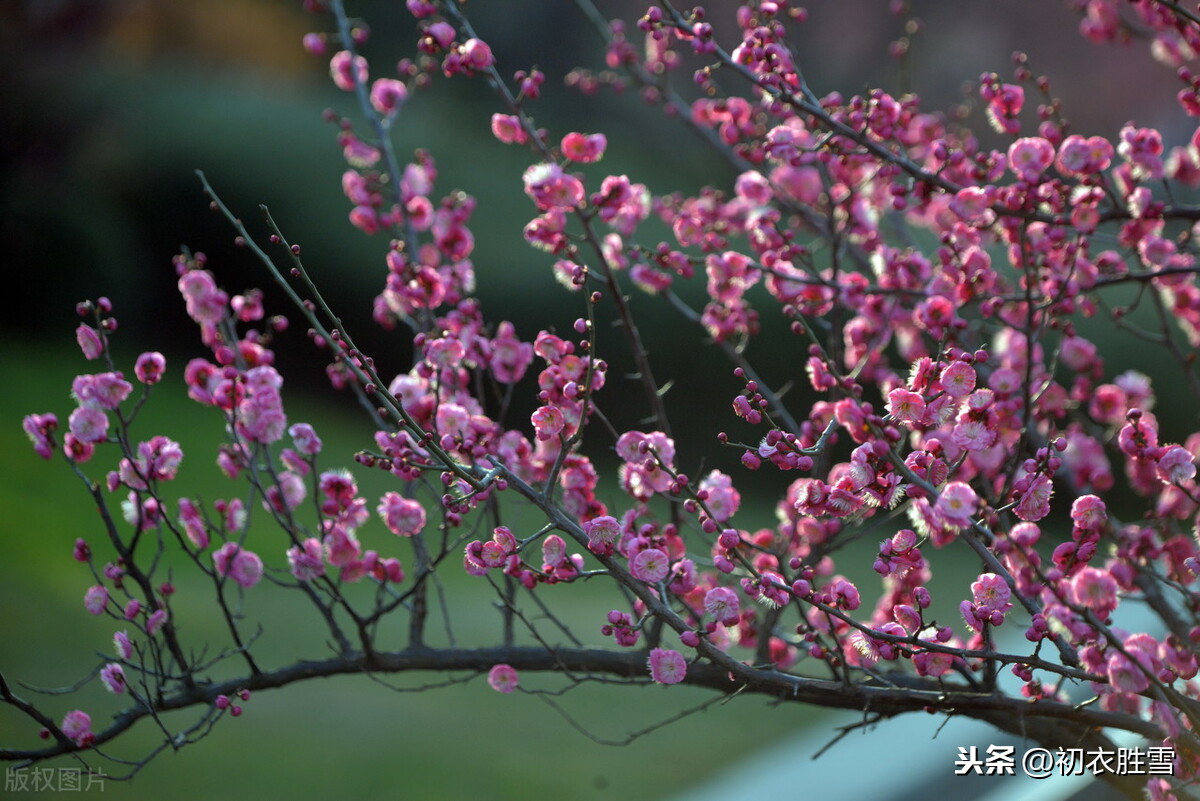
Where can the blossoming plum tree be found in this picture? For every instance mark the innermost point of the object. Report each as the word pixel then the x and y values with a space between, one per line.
pixel 957 407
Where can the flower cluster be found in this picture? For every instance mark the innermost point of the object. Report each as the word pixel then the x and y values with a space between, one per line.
pixel 936 287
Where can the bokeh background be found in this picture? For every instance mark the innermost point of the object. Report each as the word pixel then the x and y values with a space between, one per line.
pixel 108 108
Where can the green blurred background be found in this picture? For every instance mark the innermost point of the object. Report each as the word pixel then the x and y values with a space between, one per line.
pixel 109 106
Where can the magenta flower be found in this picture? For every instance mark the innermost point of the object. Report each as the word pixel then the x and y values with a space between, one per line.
pixel 387 95
pixel 603 533
pixel 38 427
pixel 650 565
pixel 77 725
pixel 150 367
pixel 1028 158
pixel 89 341
pixel 204 300
pixel 1094 589
pixel 347 71
pixel 193 523
pixel 289 493
pixel 584 148
pixel 96 599
pixel 112 676
pixel 958 379
pixel 991 593
pixel 503 678
pixel 156 621
pixel 973 205
pixel 932 663
pixel 307 560
pixel 477 54
pixel 723 499
pixel 1035 501
pixel 957 503
pixel 508 129
pixel 404 517
pixel 1176 465
pixel 551 188
pixel 510 357
pixel 241 565
pixel 305 439
pixel 1124 674
pixel 554 551
pixel 1089 512
pixel 905 406
pixel 88 424
pixel 667 666
pixel 122 645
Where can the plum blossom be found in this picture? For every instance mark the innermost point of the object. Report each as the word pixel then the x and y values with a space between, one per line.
pixel 722 603
pixel 991 593
pixel 38 427
pixel 244 567
pixel 88 424
pixel 551 188
pixel 723 499
pixel 667 666
pixel 508 129
pixel 905 406
pixel 387 95
pixel 305 438
pixel 1034 503
pixel 122 645
pixel 307 560
pixel 603 533
pixel 89 341
pixel 650 565
pixel 1094 589
pixel 1089 512
pixel 77 726
pixel 1030 157
pixel 957 503
pixel 584 148
pixel 112 676
pixel 347 70
pixel 503 678
pixel 150 367
pixel 96 599
pixel 1176 465
pixel 404 517
pixel 958 379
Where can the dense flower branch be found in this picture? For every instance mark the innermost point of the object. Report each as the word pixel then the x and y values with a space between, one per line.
pixel 932 289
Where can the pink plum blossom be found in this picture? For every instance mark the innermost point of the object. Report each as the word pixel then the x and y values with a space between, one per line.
pixel 112 676
pixel 667 666
pixel 503 678
pixel 77 726
pixel 307 560
pixel 584 148
pixel 404 517
pixel 508 129
pixel 96 599
pixel 387 95
pixel 722 603
pixel 650 565
pixel 905 406
pixel 603 533
pixel 150 367
pixel 957 503
pixel 243 566
pixel 89 341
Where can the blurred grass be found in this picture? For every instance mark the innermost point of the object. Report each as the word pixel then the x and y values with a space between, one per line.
pixel 333 737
